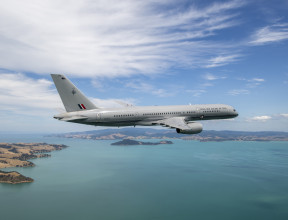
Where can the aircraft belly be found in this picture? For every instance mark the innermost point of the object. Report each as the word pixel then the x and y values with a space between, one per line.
pixel 208 117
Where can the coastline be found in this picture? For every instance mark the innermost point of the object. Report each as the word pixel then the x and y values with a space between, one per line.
pixel 18 154
pixel 14 177
pixel 161 134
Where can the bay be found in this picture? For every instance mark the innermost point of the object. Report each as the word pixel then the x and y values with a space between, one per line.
pixel 185 180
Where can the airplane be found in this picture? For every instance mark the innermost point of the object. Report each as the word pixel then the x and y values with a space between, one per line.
pixel 79 109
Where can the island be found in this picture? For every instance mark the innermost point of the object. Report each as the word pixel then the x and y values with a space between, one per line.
pixel 126 142
pixel 18 154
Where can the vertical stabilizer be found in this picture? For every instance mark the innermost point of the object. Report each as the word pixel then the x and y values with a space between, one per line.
pixel 72 98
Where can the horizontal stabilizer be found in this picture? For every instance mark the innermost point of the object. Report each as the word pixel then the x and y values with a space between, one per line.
pixel 74 118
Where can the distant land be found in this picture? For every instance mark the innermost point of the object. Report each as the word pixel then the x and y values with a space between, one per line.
pixel 14 177
pixel 17 154
pixel 126 142
pixel 149 133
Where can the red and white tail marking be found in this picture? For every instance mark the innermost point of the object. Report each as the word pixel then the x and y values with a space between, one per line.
pixel 81 106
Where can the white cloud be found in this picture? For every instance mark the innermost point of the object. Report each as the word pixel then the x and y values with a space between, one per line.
pixel 111 38
pixel 197 92
pixel 257 80
pixel 264 118
pixel 21 94
pixel 222 60
pixel 239 92
pixel 207 84
pixel 139 86
pixel 284 115
pixel 253 83
pixel 113 103
pixel 98 85
pixel 212 77
pixel 270 34
pixel 261 118
pixel 202 88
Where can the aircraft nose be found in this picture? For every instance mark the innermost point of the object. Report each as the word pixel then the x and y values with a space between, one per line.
pixel 233 112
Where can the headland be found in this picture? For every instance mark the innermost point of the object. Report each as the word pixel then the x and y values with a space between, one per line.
pixel 18 154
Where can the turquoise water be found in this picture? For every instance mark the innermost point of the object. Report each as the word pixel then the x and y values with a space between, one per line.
pixel 186 180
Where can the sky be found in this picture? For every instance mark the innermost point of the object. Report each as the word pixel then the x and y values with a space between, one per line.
pixel 152 52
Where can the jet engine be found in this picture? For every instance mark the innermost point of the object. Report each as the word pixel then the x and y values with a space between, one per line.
pixel 195 128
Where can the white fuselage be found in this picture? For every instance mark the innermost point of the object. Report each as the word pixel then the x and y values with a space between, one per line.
pixel 182 117
pixel 147 115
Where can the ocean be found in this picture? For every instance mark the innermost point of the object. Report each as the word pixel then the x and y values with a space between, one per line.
pixel 185 180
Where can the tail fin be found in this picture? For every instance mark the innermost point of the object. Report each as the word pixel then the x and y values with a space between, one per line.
pixel 72 98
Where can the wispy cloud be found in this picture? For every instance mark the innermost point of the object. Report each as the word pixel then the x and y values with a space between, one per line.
pixel 98 85
pixel 206 84
pixel 262 118
pixel 252 83
pixel 284 115
pixel 239 92
pixel 212 77
pixel 20 93
pixel 270 34
pixel 197 92
pixel 209 76
pixel 257 80
pixel 249 85
pixel 203 87
pixel 222 60
pixel 113 103
pixel 143 87
pixel 112 38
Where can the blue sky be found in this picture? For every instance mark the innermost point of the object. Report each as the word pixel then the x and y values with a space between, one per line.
pixel 145 53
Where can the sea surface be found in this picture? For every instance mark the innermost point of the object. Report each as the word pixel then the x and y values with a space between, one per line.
pixel 185 180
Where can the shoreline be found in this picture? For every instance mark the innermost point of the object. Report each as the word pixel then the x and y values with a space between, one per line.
pixel 14 177
pixel 18 154
pixel 161 134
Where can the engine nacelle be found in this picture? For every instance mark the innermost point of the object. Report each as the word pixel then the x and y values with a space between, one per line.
pixel 195 128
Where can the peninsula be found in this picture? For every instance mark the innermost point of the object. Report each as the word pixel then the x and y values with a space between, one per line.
pixel 14 177
pixel 126 142
pixel 18 154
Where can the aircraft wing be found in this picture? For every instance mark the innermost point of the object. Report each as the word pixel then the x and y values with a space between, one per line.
pixel 175 122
